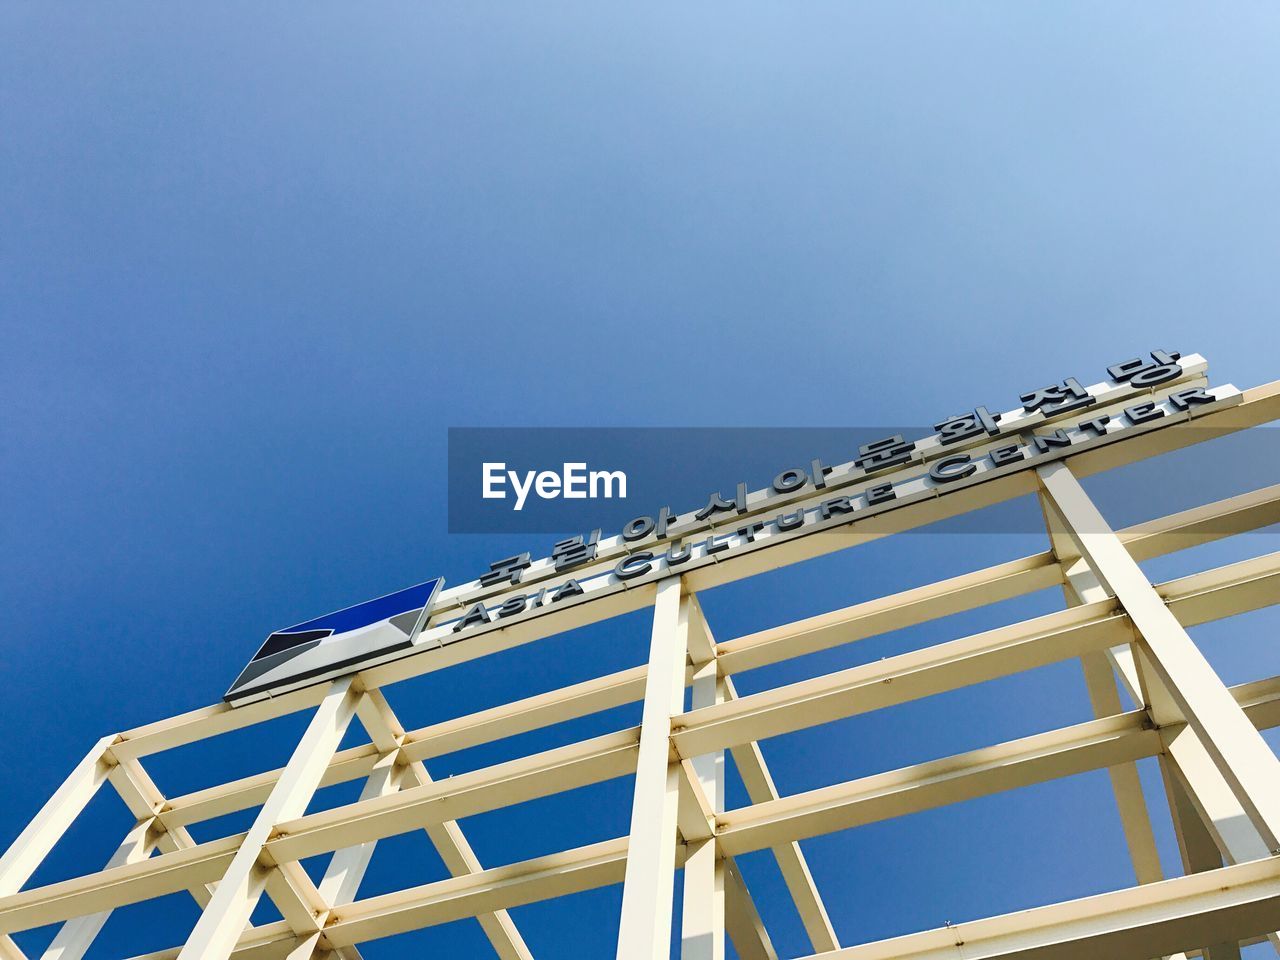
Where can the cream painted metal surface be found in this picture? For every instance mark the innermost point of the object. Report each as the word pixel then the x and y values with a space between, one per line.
pixel 1222 781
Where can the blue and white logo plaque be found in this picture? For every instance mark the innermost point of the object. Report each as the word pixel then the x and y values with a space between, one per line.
pixel 336 643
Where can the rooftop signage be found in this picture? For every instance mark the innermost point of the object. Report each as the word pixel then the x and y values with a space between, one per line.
pixel 338 642
pixel 1141 395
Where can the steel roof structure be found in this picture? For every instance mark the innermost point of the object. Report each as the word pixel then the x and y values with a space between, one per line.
pixel 1222 780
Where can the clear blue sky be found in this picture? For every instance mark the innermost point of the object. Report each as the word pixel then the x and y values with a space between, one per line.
pixel 255 260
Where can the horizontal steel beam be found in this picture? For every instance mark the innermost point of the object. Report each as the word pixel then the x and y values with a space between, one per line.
pixel 521 716
pixel 107 889
pixel 1204 524
pixel 1158 918
pixel 347 765
pixel 976 773
pixel 1007 650
pixel 498 888
pixel 897 679
pixel 1153 919
pixel 1057 753
pixel 1016 763
pixel 464 795
pixel 1222 592
pixel 1194 599
pixel 269 941
pixel 894 612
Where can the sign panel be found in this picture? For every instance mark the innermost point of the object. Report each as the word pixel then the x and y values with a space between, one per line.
pixel 972 448
pixel 780 521
pixel 331 645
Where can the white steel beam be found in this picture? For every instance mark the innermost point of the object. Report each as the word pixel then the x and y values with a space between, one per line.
pixel 489 788
pixel 755 775
pixel 341 881
pixel 33 844
pixel 1196 693
pixel 923 786
pixel 702 933
pixel 531 713
pixel 288 885
pixel 644 930
pixel 742 919
pixel 446 836
pixel 1131 802
pixel 1199 525
pixel 129 883
pixel 1223 591
pixel 894 612
pixel 295 895
pixel 1211 796
pixel 269 941
pixel 907 676
pixel 144 799
pixel 749 760
pixel 352 764
pixel 461 861
pixel 1196 844
pixel 210 721
pixel 583 868
pixel 1081 585
pixel 1192 775
pixel 1202 802
pixel 75 936
pixel 1152 919
pixel 220 925
pixel 308 947
pixel 1197 849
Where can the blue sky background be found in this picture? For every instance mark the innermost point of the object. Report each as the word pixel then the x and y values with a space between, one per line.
pixel 255 260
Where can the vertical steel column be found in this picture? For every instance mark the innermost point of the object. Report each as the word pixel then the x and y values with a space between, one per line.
pixel 215 933
pixel 1205 808
pixel 1208 820
pixel 75 936
pixel 341 880
pixel 387 733
pixel 702 918
pixel 644 931
pixel 1195 844
pixel 1081 585
pixel 1181 684
pixel 33 844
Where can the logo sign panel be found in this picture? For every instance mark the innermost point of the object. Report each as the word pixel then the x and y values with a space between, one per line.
pixel 329 646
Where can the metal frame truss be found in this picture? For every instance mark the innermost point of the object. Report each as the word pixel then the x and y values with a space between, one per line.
pixel 1222 780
